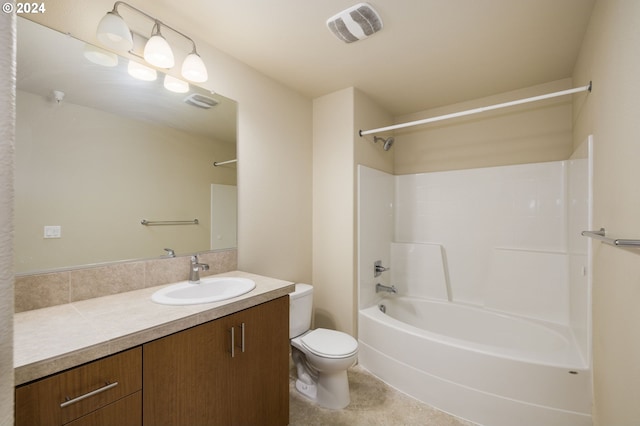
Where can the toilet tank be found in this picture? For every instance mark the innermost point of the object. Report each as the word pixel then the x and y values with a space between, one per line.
pixel 300 308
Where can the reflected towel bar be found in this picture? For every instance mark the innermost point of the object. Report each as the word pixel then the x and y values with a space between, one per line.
pixel 618 242
pixel 146 222
pixel 216 163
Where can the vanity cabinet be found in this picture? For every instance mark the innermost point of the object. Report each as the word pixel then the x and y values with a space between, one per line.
pixel 106 391
pixel 231 371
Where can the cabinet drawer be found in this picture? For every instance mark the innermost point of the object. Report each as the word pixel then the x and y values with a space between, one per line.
pixel 124 412
pixel 66 396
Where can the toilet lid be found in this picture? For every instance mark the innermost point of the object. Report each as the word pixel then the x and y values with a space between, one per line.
pixel 329 343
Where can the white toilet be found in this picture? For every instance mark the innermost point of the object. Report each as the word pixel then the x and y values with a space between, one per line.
pixel 321 356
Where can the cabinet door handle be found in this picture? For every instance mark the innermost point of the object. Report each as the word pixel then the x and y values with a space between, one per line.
pixel 106 387
pixel 233 342
pixel 242 328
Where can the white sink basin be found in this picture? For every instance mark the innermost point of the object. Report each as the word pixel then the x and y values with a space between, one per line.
pixel 209 290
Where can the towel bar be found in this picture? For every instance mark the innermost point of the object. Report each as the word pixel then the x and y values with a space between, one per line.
pixel 146 222
pixel 618 242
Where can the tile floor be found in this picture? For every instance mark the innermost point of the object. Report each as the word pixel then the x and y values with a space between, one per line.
pixel 372 403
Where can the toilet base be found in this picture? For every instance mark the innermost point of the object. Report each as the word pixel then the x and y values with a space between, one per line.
pixel 330 391
pixel 310 391
pixel 333 390
pixel 324 380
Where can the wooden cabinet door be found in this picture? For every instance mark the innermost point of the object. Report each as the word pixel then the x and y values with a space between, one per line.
pixel 260 374
pixel 194 378
pixel 185 377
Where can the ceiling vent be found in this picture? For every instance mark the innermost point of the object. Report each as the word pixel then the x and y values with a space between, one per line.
pixel 356 23
pixel 200 101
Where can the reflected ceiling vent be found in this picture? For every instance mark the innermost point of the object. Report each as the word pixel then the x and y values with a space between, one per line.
pixel 200 101
pixel 356 23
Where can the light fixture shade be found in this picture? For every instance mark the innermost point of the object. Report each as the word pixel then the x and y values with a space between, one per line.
pixel 100 56
pixel 141 72
pixel 158 52
pixel 193 68
pixel 114 32
pixel 175 84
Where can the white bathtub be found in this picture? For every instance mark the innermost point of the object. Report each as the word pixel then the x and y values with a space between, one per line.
pixel 486 367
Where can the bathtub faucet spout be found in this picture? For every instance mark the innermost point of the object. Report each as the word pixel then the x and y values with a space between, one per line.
pixel 388 289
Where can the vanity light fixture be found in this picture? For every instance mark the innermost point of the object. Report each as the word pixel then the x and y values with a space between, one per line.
pixel 114 32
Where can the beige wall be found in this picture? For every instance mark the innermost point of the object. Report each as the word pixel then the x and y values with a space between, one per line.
pixel 610 58
pixel 369 115
pixel 7 115
pixel 333 210
pixel 337 149
pixel 530 133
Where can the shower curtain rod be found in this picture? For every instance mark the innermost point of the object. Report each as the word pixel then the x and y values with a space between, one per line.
pixel 478 110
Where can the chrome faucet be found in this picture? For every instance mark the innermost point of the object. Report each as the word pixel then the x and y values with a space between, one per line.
pixel 388 289
pixel 194 272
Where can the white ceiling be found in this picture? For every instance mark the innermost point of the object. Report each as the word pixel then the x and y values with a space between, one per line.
pixel 429 53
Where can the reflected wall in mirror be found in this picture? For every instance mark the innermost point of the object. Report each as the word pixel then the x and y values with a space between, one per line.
pixel 98 151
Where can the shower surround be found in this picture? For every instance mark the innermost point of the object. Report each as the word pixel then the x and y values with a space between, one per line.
pixel 493 289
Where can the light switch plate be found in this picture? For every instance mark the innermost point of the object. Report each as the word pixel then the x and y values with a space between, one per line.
pixel 52 231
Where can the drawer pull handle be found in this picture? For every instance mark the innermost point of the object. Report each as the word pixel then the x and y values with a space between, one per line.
pixel 106 387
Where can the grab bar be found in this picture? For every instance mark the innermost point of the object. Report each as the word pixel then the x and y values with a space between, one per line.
pixel 618 242
pixel 146 222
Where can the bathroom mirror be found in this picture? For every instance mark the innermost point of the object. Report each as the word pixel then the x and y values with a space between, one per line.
pixel 98 152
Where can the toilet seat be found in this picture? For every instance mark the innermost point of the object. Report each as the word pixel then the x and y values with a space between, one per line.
pixel 329 343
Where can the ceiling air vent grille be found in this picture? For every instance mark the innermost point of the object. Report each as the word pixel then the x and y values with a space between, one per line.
pixel 200 101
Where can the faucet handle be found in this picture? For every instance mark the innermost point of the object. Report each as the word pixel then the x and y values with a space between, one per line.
pixel 378 269
pixel 170 252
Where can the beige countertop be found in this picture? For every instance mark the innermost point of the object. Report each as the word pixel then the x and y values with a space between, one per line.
pixel 53 339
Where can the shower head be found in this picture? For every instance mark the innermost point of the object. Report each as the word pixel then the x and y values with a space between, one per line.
pixel 388 142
